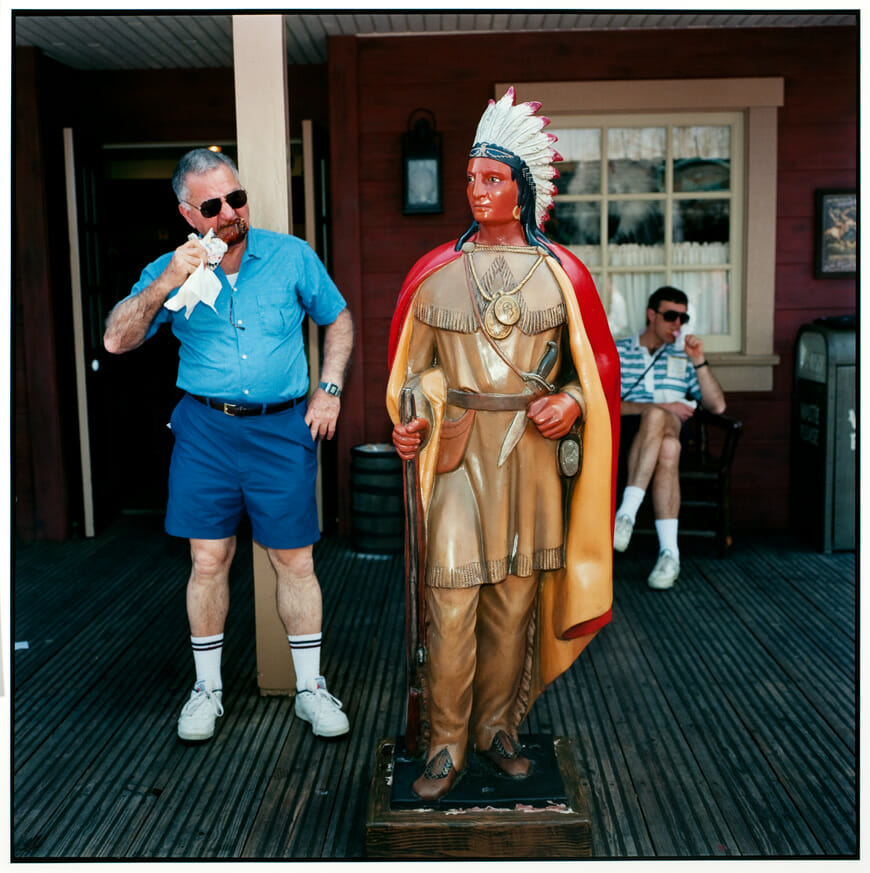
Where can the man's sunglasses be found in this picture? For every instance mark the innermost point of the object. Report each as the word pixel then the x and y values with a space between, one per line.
pixel 210 208
pixel 667 315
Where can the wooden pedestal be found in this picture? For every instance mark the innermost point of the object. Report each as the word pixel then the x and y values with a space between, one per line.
pixel 492 826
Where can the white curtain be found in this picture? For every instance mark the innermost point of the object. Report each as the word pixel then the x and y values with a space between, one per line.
pixel 707 143
pixel 627 293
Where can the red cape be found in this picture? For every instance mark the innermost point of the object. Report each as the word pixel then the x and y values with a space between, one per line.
pixel 594 322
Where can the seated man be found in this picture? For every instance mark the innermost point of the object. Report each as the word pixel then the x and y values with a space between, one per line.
pixel 661 385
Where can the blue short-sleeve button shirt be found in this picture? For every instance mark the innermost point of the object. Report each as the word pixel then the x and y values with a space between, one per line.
pixel 250 348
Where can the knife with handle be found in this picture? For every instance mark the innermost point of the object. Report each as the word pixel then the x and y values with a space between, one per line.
pixel 518 424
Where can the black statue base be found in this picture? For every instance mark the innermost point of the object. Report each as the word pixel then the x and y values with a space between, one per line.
pixel 486 814
pixel 482 784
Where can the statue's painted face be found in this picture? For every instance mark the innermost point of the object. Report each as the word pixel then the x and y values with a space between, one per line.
pixel 492 193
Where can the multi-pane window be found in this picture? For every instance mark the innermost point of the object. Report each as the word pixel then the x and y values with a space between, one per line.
pixel 646 201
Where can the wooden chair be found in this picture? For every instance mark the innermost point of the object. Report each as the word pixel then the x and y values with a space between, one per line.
pixel 709 444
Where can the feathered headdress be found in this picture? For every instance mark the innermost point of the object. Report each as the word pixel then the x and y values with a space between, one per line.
pixel 514 135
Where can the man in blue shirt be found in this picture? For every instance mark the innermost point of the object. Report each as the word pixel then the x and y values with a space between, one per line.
pixel 663 377
pixel 245 437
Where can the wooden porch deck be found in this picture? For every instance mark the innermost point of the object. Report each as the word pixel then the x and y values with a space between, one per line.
pixel 716 719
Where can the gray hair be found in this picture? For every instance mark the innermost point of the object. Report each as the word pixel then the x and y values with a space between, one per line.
pixel 195 163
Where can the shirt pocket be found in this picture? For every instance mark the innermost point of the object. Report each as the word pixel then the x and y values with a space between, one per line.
pixel 277 312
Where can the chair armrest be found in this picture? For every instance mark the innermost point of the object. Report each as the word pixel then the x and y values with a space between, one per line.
pixel 731 427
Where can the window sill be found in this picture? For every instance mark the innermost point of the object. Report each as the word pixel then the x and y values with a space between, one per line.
pixel 737 372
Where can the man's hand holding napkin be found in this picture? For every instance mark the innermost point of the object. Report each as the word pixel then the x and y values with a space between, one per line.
pixel 202 285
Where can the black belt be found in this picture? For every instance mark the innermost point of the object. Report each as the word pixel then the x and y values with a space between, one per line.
pixel 248 409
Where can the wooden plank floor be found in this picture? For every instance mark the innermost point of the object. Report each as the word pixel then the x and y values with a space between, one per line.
pixel 716 719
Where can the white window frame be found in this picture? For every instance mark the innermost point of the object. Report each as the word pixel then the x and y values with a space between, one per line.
pixel 750 368
pixel 732 340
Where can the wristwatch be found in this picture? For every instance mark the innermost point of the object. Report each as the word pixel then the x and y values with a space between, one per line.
pixel 330 388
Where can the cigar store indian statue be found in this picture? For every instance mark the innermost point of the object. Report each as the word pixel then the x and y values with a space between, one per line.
pixel 504 344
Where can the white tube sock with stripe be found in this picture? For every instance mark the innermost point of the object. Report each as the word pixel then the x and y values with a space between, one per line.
pixel 305 651
pixel 207 659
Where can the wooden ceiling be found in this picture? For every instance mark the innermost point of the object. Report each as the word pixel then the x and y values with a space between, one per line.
pixel 174 41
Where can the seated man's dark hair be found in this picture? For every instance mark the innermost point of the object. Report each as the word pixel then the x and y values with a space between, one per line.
pixel 668 293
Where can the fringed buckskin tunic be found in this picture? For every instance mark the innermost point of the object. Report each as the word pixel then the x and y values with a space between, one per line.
pixel 486 521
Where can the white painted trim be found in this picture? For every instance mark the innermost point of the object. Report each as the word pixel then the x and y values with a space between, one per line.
pixel 650 95
pixel 78 332
pixel 308 182
pixel 263 138
pixel 262 118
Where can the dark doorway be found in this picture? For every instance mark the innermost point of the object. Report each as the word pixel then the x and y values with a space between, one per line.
pixel 129 217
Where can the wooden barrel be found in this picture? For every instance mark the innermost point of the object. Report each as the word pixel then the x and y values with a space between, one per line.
pixel 377 501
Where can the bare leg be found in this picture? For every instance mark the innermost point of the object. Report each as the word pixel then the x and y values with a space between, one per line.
pixel 655 455
pixel 666 482
pixel 208 600
pixel 300 603
pixel 208 589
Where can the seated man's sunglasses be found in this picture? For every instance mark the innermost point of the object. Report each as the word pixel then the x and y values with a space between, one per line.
pixel 667 315
pixel 210 208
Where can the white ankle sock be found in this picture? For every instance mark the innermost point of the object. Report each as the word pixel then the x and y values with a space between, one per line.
pixel 666 528
pixel 305 651
pixel 207 659
pixel 632 498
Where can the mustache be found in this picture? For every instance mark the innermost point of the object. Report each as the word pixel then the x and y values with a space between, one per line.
pixel 233 232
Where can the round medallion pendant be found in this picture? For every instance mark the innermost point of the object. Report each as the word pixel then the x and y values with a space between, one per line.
pixel 506 310
pixel 493 326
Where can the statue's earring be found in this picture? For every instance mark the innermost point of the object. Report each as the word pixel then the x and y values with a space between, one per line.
pixel 517 213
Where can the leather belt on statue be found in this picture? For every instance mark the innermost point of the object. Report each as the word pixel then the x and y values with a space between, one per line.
pixel 491 402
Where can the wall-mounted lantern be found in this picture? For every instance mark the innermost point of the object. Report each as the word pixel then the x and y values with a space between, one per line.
pixel 421 165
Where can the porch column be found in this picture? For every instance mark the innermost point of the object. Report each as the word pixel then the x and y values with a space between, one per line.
pixel 263 138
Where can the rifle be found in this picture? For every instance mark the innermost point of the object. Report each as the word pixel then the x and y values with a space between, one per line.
pixel 415 557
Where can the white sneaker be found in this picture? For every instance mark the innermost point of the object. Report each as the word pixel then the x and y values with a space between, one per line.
pixel 317 706
pixel 622 531
pixel 665 572
pixel 198 715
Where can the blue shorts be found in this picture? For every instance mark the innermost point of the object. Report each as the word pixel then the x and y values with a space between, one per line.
pixel 224 465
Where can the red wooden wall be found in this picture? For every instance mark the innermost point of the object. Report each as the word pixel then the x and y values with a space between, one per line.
pixel 376 83
pixel 365 96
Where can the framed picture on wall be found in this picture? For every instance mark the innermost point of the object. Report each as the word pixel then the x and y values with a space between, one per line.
pixel 836 233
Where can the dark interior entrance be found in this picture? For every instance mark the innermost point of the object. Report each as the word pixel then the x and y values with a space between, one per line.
pixel 128 218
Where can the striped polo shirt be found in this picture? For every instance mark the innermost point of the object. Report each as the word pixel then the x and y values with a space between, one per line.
pixel 672 376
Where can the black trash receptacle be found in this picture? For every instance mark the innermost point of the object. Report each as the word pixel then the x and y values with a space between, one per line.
pixel 377 499
pixel 825 431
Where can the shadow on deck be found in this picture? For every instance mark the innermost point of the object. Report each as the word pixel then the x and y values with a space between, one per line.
pixel 715 719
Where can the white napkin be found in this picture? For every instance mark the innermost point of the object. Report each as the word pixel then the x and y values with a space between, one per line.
pixel 669 395
pixel 202 285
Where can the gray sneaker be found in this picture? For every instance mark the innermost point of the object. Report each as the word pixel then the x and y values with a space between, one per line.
pixel 622 531
pixel 317 706
pixel 665 572
pixel 198 715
